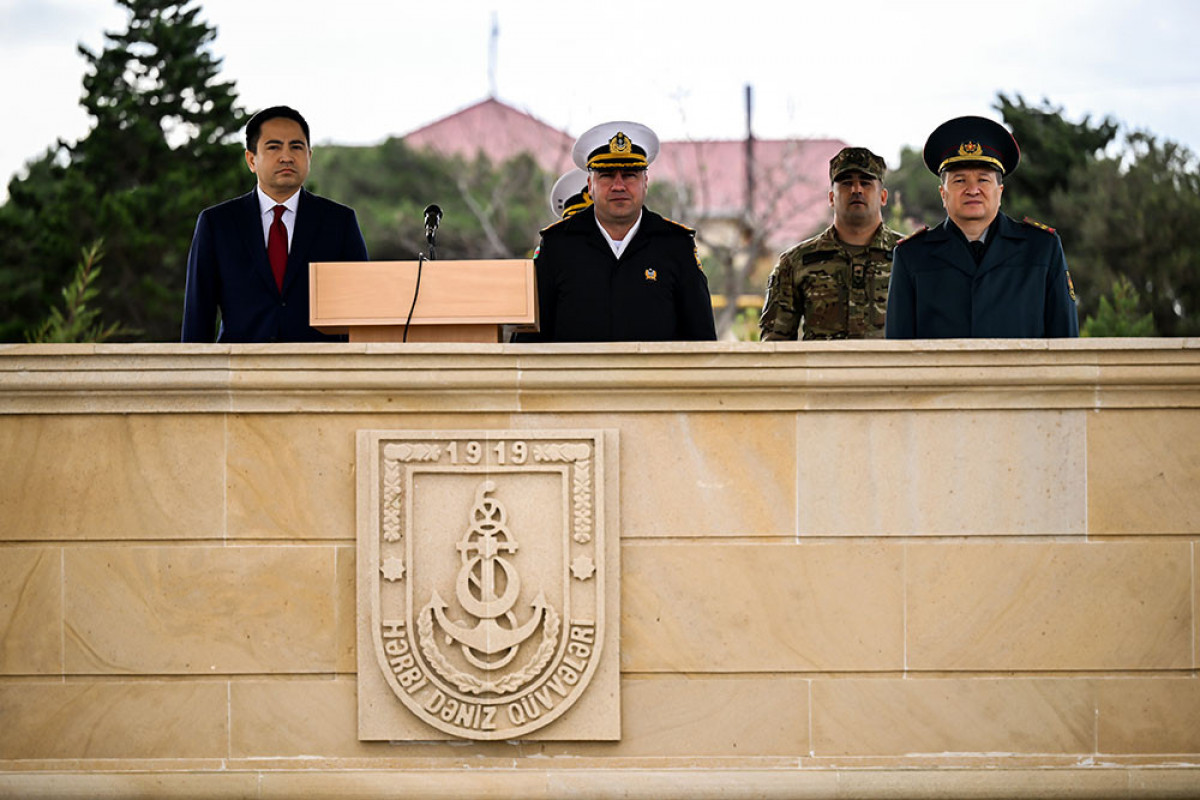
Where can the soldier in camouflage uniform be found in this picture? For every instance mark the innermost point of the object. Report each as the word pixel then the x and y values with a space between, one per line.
pixel 835 285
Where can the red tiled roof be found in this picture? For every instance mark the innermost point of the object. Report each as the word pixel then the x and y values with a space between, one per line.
pixel 791 178
pixel 791 182
pixel 498 130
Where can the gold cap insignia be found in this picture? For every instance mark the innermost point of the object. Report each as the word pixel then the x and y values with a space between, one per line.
pixel 620 153
pixel 973 152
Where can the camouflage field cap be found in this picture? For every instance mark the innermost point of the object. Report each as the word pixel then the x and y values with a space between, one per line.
pixel 857 159
pixel 971 142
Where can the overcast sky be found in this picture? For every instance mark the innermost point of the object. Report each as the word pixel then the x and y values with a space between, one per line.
pixel 882 75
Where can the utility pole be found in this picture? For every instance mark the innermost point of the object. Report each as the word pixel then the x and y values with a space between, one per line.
pixel 493 46
pixel 749 154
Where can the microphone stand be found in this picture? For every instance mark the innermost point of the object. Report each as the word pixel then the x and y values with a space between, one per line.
pixel 431 238
pixel 432 217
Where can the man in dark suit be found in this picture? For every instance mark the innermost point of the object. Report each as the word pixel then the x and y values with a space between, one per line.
pixel 979 274
pixel 250 255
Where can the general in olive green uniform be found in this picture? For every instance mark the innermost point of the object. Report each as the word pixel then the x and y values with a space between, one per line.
pixel 827 287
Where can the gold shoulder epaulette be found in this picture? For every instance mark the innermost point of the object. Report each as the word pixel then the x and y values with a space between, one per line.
pixel 913 235
pixel 552 225
pixel 1034 223
pixel 680 225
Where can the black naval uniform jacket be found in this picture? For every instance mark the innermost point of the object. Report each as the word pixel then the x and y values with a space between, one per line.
pixel 654 291
pixel 1021 289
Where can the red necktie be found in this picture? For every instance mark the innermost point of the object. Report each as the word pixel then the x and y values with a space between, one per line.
pixel 277 246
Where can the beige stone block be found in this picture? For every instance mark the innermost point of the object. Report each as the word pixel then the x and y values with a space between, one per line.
pixel 292 475
pixel 1143 471
pixel 293 718
pixel 120 785
pixel 688 475
pixel 992 784
pixel 112 719
pixel 200 610
pixel 30 610
pixel 702 717
pixel 1049 606
pixel 1149 715
pixel 941 473
pixel 906 717
pixel 346 609
pixel 432 784
pixel 111 477
pixel 765 607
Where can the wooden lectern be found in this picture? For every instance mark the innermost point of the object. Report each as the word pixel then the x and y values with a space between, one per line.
pixel 460 301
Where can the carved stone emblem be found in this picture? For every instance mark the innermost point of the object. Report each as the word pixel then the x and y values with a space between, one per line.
pixel 486 586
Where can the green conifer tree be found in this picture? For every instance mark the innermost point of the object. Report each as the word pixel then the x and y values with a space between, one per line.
pixel 161 148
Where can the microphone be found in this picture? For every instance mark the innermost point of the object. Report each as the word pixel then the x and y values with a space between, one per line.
pixel 433 215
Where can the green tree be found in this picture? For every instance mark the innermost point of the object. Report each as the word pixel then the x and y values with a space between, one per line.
pixel 76 321
pixel 1136 214
pixel 913 198
pixel 1121 316
pixel 1053 149
pixel 490 210
pixel 160 149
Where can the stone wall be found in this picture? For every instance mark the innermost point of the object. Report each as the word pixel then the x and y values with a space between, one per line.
pixel 847 570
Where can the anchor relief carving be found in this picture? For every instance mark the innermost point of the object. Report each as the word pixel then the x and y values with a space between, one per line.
pixel 487 574
pixel 496 637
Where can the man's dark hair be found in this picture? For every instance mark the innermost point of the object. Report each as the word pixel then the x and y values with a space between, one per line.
pixel 254 126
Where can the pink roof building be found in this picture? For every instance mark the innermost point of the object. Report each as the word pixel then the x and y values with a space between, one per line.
pixel 499 131
pixel 790 176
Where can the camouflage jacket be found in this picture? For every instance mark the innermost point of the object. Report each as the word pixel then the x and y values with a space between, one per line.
pixel 838 295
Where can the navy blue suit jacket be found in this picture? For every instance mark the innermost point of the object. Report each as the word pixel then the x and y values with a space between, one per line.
pixel 228 270
pixel 1020 290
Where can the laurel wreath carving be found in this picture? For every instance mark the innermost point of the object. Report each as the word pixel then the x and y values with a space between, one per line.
pixel 413 451
pixel 469 683
pixel 564 451
pixel 582 486
pixel 392 495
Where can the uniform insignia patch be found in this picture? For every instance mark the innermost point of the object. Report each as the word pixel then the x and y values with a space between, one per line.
pixel 1071 287
pixel 969 149
pixel 651 274
pixel 913 235
pixel 1040 225
pixel 817 256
